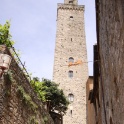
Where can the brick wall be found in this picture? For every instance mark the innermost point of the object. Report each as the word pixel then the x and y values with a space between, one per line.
pixel 18 102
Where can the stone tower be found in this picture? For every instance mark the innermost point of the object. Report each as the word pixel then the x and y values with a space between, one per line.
pixel 70 62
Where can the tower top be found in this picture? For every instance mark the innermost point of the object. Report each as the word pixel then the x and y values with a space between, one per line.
pixel 73 2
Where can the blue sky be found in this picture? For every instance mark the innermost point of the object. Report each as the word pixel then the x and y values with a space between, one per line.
pixel 33 28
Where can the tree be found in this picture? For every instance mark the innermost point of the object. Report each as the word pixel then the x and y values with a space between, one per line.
pixel 5 37
pixel 49 93
pixel 36 79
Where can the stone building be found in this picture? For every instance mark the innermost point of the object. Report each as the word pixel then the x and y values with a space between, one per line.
pixel 93 92
pixel 106 102
pixel 70 62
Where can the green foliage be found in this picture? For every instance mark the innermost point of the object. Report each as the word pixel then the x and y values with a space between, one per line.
pixel 5 37
pixel 10 76
pixel 36 79
pixel 27 99
pixel 33 120
pixel 45 119
pixel 49 93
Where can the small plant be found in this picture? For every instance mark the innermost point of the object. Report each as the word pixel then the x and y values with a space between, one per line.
pixel 33 120
pixel 10 76
pixel 45 119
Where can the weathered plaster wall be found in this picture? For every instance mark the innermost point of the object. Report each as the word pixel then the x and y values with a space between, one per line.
pixel 91 115
pixel 110 34
pixel 18 102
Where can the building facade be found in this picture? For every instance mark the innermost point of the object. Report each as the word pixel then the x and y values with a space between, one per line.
pixel 107 99
pixel 70 60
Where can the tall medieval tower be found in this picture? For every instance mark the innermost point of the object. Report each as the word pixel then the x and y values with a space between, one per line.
pixel 70 62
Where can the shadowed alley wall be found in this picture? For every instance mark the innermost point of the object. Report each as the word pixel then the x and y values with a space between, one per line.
pixel 109 87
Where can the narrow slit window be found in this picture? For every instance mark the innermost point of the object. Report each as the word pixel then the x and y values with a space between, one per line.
pixel 71 59
pixel 71 112
pixel 70 97
pixel 70 74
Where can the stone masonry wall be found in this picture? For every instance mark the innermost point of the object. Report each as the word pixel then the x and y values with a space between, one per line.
pixel 110 34
pixel 70 42
pixel 19 104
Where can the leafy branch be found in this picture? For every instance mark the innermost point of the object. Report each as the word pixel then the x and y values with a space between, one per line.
pixel 5 37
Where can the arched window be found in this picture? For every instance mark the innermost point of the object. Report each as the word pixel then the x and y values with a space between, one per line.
pixel 71 1
pixel 70 74
pixel 70 97
pixel 71 17
pixel 71 59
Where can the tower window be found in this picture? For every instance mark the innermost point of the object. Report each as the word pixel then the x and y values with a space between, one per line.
pixel 71 112
pixel 70 74
pixel 70 97
pixel 71 17
pixel 71 59
pixel 70 1
pixel 71 109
